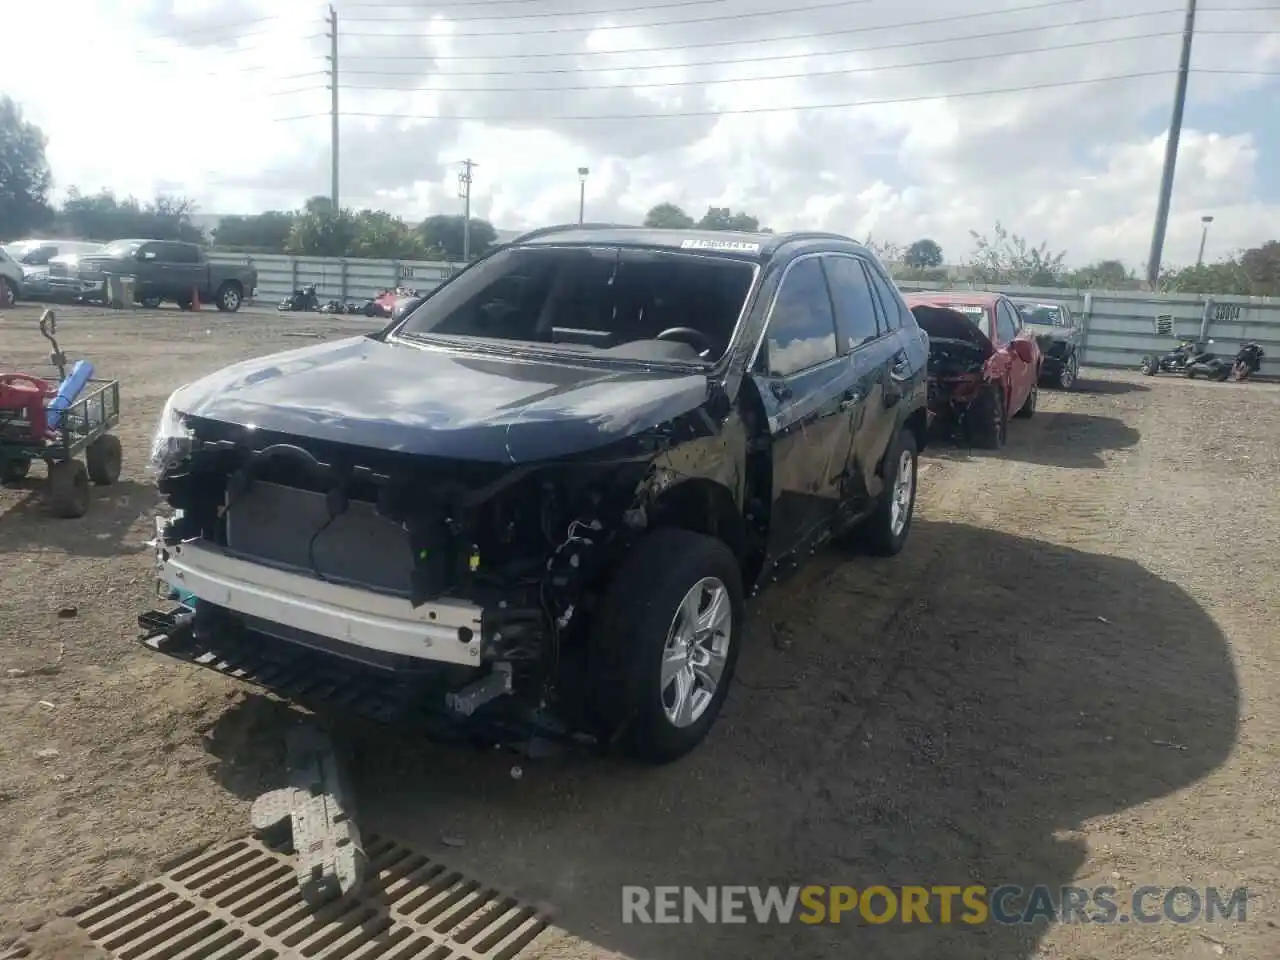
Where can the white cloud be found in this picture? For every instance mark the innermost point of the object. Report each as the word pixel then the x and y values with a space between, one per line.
pixel 185 95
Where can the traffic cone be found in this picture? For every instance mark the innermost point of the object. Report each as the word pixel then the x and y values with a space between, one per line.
pixel 195 298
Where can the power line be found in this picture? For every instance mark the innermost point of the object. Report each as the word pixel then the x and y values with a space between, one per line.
pixel 811 35
pixel 478 3
pixel 596 28
pixel 546 14
pixel 807 55
pixel 662 84
pixel 690 114
pixel 733 18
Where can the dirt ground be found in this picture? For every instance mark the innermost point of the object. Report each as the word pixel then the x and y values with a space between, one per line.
pixel 1070 676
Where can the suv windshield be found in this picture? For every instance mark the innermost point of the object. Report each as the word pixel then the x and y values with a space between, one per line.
pixel 594 299
pixel 1041 314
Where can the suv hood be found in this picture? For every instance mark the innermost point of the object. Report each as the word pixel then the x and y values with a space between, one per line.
pixel 943 323
pixel 433 401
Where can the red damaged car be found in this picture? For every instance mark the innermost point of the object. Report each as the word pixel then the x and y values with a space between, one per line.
pixel 983 367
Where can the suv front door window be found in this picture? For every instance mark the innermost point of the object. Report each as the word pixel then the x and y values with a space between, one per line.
pixel 806 387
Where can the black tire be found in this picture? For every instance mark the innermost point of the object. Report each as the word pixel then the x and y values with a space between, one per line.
pixel 1068 374
pixel 229 297
pixel 14 471
pixel 878 530
pixel 1150 366
pixel 1220 373
pixel 1028 409
pixel 104 458
pixel 67 491
pixel 630 636
pixel 988 422
pixel 8 293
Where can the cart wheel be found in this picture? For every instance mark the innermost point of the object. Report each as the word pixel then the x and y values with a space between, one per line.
pixel 104 457
pixel 68 491
pixel 14 471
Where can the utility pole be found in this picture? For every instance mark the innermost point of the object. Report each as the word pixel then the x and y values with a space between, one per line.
pixel 1171 149
pixel 582 193
pixel 333 107
pixel 464 192
pixel 1204 235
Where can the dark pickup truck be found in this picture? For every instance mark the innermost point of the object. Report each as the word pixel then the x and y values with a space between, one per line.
pixel 162 270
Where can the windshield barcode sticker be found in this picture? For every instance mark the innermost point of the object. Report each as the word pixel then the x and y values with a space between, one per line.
pixel 736 246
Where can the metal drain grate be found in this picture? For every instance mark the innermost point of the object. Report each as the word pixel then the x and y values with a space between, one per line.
pixel 242 902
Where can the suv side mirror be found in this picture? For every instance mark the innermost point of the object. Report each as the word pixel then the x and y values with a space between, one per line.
pixel 1022 350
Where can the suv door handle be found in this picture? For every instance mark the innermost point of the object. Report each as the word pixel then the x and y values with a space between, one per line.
pixel 899 371
pixel 851 398
pixel 780 390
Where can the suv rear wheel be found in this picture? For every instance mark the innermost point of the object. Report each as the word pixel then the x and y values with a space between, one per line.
pixel 885 530
pixel 666 642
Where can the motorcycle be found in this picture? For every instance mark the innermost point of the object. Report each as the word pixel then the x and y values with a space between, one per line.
pixel 1190 358
pixel 1248 361
pixel 302 299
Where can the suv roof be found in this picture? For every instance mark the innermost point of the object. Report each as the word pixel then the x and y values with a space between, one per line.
pixel 756 246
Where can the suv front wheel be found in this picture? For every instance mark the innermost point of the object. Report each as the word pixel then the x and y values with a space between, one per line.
pixel 666 642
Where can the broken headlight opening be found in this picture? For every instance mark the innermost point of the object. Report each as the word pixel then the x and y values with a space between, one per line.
pixel 171 442
pixel 470 577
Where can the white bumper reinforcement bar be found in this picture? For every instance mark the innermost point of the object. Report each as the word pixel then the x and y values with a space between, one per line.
pixel 447 631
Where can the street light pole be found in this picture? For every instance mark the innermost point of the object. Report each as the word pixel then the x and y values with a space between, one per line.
pixel 1204 235
pixel 582 193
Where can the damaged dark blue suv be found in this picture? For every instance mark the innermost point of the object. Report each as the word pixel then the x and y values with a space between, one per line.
pixel 539 499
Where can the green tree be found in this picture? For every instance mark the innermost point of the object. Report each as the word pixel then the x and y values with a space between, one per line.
pixel 923 254
pixel 722 218
pixel 1008 259
pixel 1262 265
pixel 323 234
pixel 444 232
pixel 260 233
pixel 667 216
pixel 1103 275
pixel 101 216
pixel 1226 278
pixel 888 252
pixel 380 236
pixel 25 179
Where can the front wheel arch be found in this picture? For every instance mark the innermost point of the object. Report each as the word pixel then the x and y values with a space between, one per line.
pixel 702 505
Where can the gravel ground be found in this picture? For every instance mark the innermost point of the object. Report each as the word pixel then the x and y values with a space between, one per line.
pixel 1069 677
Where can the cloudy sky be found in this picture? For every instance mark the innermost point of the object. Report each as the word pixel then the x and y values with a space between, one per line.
pixel 896 119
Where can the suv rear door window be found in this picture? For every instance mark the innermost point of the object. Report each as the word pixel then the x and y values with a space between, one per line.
pixel 802 328
pixel 894 308
pixel 850 293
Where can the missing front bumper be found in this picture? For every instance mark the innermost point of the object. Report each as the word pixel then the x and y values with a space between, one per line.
pixel 447 631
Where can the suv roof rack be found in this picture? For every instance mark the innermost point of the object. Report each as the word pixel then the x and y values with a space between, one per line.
pixel 816 235
pixel 557 228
